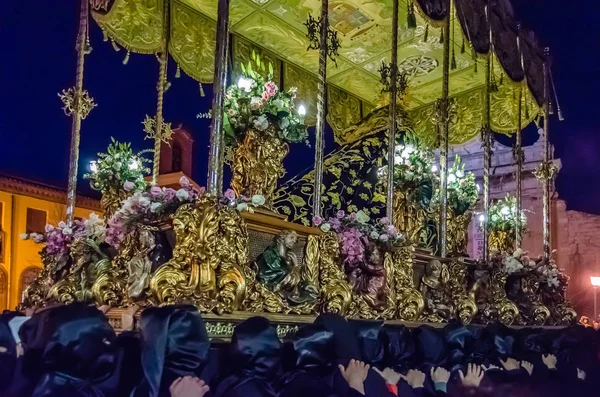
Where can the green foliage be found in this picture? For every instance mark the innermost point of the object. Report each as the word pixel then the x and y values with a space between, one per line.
pixel 503 216
pixel 118 165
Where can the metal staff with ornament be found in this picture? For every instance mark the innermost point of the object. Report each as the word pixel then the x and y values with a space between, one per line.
pixel 393 99
pixel 214 184
pixel 78 104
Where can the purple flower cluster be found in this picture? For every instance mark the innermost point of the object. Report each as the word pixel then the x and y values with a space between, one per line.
pixel 59 238
pixel 356 230
pixel 147 207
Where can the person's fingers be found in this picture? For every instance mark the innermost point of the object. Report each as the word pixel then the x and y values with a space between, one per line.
pixel 461 375
pixel 431 372
pixel 378 371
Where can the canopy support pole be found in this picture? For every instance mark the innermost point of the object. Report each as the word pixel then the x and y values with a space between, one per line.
pixel 443 107
pixel 321 108
pixel 548 174
pixel 518 156
pixel 486 137
pixel 389 210
pixel 75 106
pixel 162 81
pixel 216 154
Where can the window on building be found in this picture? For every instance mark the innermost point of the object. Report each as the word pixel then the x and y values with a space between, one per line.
pixel 3 289
pixel 176 157
pixel 36 221
pixel 27 277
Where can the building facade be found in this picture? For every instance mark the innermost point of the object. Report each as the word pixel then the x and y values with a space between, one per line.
pixel 27 207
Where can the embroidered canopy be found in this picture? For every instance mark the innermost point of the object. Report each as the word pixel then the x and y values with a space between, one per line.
pixel 275 29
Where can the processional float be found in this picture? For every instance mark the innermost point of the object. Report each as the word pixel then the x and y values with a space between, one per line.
pixel 395 81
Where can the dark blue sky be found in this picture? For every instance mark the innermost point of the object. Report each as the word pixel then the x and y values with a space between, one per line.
pixel 37 60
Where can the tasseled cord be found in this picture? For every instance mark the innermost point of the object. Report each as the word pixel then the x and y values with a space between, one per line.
pixel 426 35
pixel 126 58
pixel 178 72
pixel 201 90
pixel 115 46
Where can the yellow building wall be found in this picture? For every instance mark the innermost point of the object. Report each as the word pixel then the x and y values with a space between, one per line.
pixel 20 254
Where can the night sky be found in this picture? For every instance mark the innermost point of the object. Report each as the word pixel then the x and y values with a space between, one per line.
pixel 37 60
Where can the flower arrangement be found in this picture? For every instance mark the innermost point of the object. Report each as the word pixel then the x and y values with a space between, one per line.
pixel 413 166
pixel 242 203
pixel 503 216
pixel 59 238
pixel 118 167
pixel 463 192
pixel 356 230
pixel 518 262
pixel 148 206
pixel 256 102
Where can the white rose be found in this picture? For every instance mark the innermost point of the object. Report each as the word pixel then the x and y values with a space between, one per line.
pixel 182 194
pixel 361 217
pixel 242 207
pixel 258 200
pixel 67 230
pixel 144 201
pixel 261 123
pixel 154 207
pixel 325 227
pixel 24 236
pixel 374 235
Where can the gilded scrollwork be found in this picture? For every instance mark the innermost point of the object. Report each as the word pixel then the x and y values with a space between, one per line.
pixel 464 301
pixel 257 164
pixel 204 268
pixel 336 293
pixel 409 301
pixel 436 293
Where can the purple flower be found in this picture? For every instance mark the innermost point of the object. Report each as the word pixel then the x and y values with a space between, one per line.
pixel 392 231
pixel 156 191
pixel 384 238
pixel 385 221
pixel 169 194
pixel 317 220
pixel 230 194
pixel 128 185
pixel 340 214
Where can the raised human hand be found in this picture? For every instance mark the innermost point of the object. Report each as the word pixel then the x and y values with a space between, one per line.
pixel 104 308
pixel 355 374
pixel 473 377
pixel 390 376
pixel 581 374
pixel 439 375
pixel 550 360
pixel 527 366
pixel 414 378
pixel 188 387
pixel 510 364
pixel 127 318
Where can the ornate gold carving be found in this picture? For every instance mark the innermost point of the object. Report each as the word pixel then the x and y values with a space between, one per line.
pixel 211 245
pixel 464 302
pixel 336 292
pixel 501 309
pixel 150 130
pixel 343 110
pixel 545 171
pixel 409 301
pixel 502 241
pixel 257 164
pixel 86 103
pixel 435 290
pixel 457 237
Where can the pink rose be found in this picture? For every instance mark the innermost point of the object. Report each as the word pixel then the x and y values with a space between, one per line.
pixel 170 194
pixel 340 214
pixel 265 96
pixel 271 88
pixel 128 186
pixel 201 191
pixel 317 220
pixel 392 231
pixel 384 238
pixel 230 194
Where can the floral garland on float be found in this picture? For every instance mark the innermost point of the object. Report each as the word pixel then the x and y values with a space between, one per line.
pixel 117 173
pixel 502 223
pixel 363 243
pixel 260 121
pixel 72 255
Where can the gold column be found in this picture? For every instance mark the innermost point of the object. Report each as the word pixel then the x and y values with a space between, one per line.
pixel 216 154
pixel 546 180
pixel 393 98
pixel 77 104
pixel 486 137
pixel 162 81
pixel 444 108
pixel 518 156
pixel 321 107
